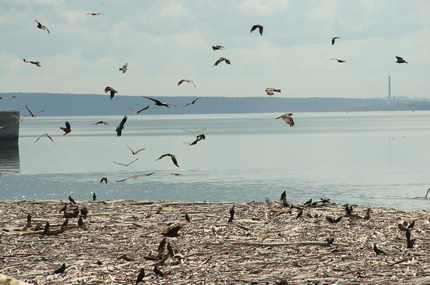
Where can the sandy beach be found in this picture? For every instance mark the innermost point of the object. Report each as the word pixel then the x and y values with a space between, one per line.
pixel 266 243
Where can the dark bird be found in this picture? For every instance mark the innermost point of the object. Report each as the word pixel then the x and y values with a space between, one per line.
pixel 35 62
pixel 173 157
pixel 333 220
pixel 377 250
pixel 72 200
pixel 339 60
pixel 198 138
pixel 61 269
pixel 300 213
pixel 330 240
pixel 134 152
pixel 94 194
pixel 111 90
pixel 126 164
pixel 308 202
pixel 270 91
pixel 348 210
pixel 172 232
pixel 161 246
pixel 28 219
pixel 400 60
pixel 284 199
pixel 287 118
pixel 221 59
pixel 120 127
pixel 425 197
pixel 260 29
pixel 135 176
pixel 94 14
pixel 65 223
pixel 192 102
pixel 170 250
pixel 104 179
pixel 66 129
pixel 140 276
pixel 44 135
pixel 42 27
pixel 187 218
pixel 64 209
pixel 158 272
pixel 80 222
pixel 217 47
pixel 232 212
pixel 34 115
pixel 186 80
pixel 333 40
pixel 101 122
pixel 159 103
pixel 409 242
pixel 84 212
pixel 367 216
pixel 46 229
pixel 411 225
pixel 138 111
pixel 123 68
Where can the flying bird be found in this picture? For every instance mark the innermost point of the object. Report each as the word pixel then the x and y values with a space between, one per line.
pixel 138 111
pixel 101 122
pixel 35 62
pixel 94 14
pixel 425 197
pixel 159 103
pixel 222 59
pixel 333 40
pixel 287 118
pixel 134 152
pixel 339 60
pixel 42 27
pixel 34 115
pixel 217 47
pixel 44 135
pixel 173 157
pixel 192 102
pixel 104 179
pixel 111 90
pixel 7 98
pixel 123 68
pixel 195 132
pixel 198 138
pixel 333 220
pixel 18 118
pixel 61 269
pixel 66 129
pixel 400 60
pixel 126 164
pixel 260 29
pixel 135 176
pixel 120 127
pixel 186 80
pixel 270 91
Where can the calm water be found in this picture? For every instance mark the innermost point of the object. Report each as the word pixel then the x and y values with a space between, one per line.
pixel 366 158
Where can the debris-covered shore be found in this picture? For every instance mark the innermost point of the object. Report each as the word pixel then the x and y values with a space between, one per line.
pixel 265 243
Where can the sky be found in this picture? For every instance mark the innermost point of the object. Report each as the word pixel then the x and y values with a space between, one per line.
pixel 166 41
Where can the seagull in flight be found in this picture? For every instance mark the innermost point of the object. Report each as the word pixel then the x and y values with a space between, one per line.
pixel 159 103
pixel 94 14
pixel 270 91
pixel 400 60
pixel 66 129
pixel 173 157
pixel 35 114
pixel 111 90
pixel 134 152
pixel 259 27
pixel 186 80
pixel 217 47
pixel 35 62
pixel 44 135
pixel 339 60
pixel 120 127
pixel 195 132
pixel 101 122
pixel 42 27
pixel 333 40
pixel 123 68
pixel 287 118
pixel 138 111
pixel 126 164
pixel 192 102
pixel 221 59
pixel 198 138
pixel 135 176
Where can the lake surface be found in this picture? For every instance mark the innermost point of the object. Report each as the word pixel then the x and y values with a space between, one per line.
pixel 366 158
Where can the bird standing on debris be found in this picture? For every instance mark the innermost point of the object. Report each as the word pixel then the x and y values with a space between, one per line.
pixel 140 276
pixel 232 212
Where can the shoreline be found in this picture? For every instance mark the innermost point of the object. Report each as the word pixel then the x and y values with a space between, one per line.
pixel 265 244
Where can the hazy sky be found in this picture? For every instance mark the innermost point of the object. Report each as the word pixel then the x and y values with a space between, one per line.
pixel 166 41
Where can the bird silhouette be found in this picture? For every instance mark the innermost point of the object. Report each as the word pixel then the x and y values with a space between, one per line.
pixel 94 194
pixel 339 60
pixel 104 179
pixel 44 135
pixel 72 200
pixel 80 222
pixel 425 197
pixel 159 103
pixel 135 176
pixel 170 250
pixel 94 14
pixel 287 118
pixel 217 47
pixel 221 59
pixel 120 127
pixel 187 218
pixel 232 212
pixel 377 250
pixel 195 132
pixel 18 118
pixel 198 138
pixel 101 122
pixel 270 91
pixel 138 111
pixel 42 27
pixel 172 156
pixel 186 80
pixel 173 231
pixel 333 220
pixel 134 152
pixel 400 60
pixel 158 272
pixel 46 229
pixel 124 68
pixel 65 223
pixel 34 115
pixel 333 40
pixel 284 199
pixel 61 269
pixel 111 91
pixel 66 129
pixel 140 276
pixel 35 62
pixel 260 29
pixel 126 164
pixel 192 102
pixel 161 246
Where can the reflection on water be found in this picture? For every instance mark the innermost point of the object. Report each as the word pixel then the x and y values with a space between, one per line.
pixel 9 158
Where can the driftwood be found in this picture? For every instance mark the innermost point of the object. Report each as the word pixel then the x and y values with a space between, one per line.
pixel 265 244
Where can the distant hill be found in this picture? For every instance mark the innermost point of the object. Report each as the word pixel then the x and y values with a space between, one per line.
pixel 93 104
